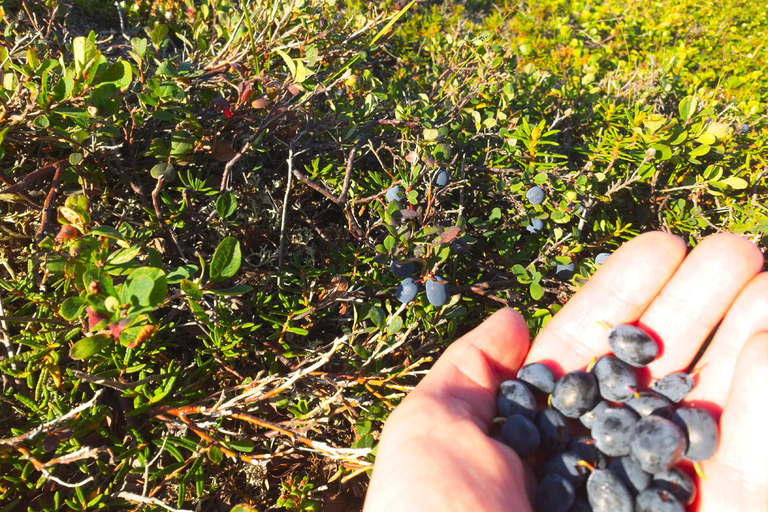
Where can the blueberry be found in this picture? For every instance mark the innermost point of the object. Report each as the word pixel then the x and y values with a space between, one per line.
pixel 566 464
pixel 657 444
pixel 442 178
pixel 600 258
pixel 535 226
pixel 616 379
pixel 395 194
pixel 630 472
pixel 437 291
pixel 580 505
pixel 657 500
pixel 678 483
pixel 535 195
pixel 633 345
pixel 407 290
pixel 744 128
pixel 612 431
pixel 565 271
pixel 586 448
pixel 701 431
pixel 607 493
pixel 539 378
pixel 648 402
pixel 554 494
pixel 520 434
pixel 588 418
pixel 553 429
pixel 402 270
pixel 674 386
pixel 575 393
pixel 516 398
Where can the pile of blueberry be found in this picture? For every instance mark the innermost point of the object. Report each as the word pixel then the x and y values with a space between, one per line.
pixel 435 286
pixel 628 460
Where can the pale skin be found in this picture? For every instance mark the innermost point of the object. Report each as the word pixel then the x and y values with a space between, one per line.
pixel 436 453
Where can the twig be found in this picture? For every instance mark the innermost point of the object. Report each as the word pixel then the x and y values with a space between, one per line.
pixel 284 216
pixel 28 319
pixel 34 176
pixel 11 441
pixel 155 199
pixel 136 498
pixel 48 205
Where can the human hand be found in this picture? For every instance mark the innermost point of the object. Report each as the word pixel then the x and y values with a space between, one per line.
pixel 436 454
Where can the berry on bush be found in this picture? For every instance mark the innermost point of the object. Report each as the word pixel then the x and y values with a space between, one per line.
pixel 407 290
pixel 437 290
pixel 535 195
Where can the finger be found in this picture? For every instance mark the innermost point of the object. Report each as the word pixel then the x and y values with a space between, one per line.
pixel 697 297
pixel 737 478
pixel 618 293
pixel 747 316
pixel 466 378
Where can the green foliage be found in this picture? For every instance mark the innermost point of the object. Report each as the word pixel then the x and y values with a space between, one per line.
pixel 214 256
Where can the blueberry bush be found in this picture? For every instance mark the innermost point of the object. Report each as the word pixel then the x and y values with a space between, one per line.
pixel 200 255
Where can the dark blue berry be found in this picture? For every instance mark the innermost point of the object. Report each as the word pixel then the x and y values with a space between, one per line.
pixel 535 226
pixel 402 270
pixel 553 429
pixel 586 448
pixel 630 472
pixel 657 444
pixel 516 398
pixel 554 494
pixel 674 386
pixel 437 291
pixel 633 345
pixel 613 430
pixel 442 178
pixel 535 195
pixel 395 194
pixel 407 290
pixel 580 505
pixel 539 378
pixel 648 402
pixel 700 429
pixel 657 500
pixel 588 418
pixel 575 393
pixel 678 483
pixel 520 434
pixel 607 493
pixel 567 465
pixel 616 379
pixel 600 258
pixel 565 271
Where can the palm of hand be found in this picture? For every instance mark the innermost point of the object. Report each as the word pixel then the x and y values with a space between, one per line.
pixel 436 455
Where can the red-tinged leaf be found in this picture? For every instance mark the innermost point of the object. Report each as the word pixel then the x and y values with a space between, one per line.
pixel 260 103
pixel 116 328
pixel 144 334
pixel 67 232
pixel 223 152
pixel 94 318
pixel 448 235
pixel 412 157
pixel 294 89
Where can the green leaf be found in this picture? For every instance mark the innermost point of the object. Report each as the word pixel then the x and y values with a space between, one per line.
pixel 377 315
pixel 72 308
pixel 107 231
pixel 226 260
pixel 288 61
pixel 145 287
pixel 183 272
pixel 164 170
pixel 158 35
pixel 242 445
pixel 83 51
pixel 231 291
pixel 395 324
pixel 687 108
pixel 536 291
pixel 226 204
pixel 41 121
pixel 735 182
pixel 181 143
pixel 89 346
pixel 118 74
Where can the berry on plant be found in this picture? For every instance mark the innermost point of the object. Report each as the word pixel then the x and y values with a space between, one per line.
pixel 535 226
pixel 395 194
pixel 437 290
pixel 535 195
pixel 442 178
pixel 402 270
pixel 407 290
pixel 633 345
pixel 565 271
pixel 539 378
pixel 600 258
